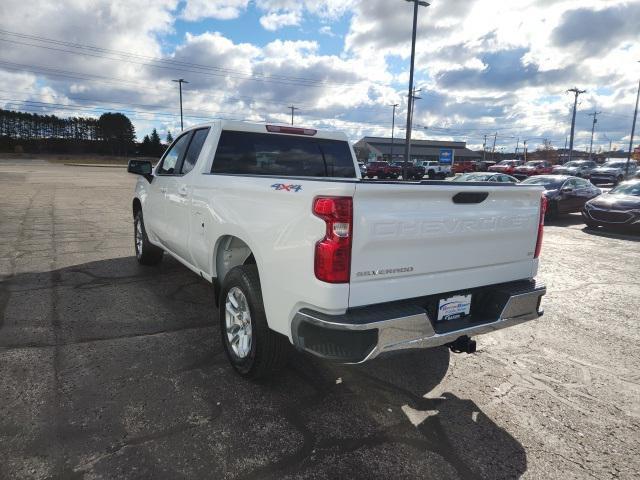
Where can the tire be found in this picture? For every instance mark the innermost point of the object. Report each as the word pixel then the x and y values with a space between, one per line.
pixel 146 252
pixel 264 352
pixel 431 174
pixel 552 211
pixel 618 180
pixel 591 225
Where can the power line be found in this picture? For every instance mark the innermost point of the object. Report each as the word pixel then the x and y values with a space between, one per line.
pixel 156 62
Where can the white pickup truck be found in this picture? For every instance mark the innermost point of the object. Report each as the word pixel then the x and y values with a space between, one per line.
pixel 301 250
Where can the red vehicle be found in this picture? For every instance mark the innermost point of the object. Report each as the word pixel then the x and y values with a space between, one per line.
pixel 534 167
pixel 505 166
pixel 463 166
pixel 382 170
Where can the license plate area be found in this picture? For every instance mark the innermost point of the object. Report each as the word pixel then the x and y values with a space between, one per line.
pixel 454 307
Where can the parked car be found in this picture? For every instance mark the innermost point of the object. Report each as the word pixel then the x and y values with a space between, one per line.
pixel 483 165
pixel 617 209
pixel 531 168
pixel 382 170
pixel 436 169
pixel 505 166
pixel 575 168
pixel 363 169
pixel 613 171
pixel 564 194
pixel 485 177
pixel 300 251
pixel 411 170
pixel 463 166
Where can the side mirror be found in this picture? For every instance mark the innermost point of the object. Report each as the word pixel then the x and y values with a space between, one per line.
pixel 567 189
pixel 140 167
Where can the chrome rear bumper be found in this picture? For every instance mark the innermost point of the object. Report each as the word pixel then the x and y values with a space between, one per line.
pixel 366 332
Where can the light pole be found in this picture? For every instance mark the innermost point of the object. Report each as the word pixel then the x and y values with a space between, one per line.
pixel 577 92
pixel 412 98
pixel 393 126
pixel 633 129
pixel 416 3
pixel 180 81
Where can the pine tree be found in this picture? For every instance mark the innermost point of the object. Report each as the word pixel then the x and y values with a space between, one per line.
pixel 145 148
pixel 156 145
pixel 169 137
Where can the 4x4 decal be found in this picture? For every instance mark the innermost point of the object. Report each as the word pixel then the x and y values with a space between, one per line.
pixel 286 187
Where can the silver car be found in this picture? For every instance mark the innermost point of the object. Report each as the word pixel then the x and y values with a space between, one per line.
pixel 614 171
pixel 576 168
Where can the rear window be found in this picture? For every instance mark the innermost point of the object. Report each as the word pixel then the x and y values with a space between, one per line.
pixel 282 155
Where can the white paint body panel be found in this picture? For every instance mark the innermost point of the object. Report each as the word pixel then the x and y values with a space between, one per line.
pixel 395 226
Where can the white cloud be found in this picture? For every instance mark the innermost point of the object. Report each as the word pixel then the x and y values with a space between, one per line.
pixel 484 65
pixel 276 20
pixel 220 9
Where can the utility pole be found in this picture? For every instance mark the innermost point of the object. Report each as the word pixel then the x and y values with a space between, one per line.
pixel 180 81
pixel 593 127
pixel 607 138
pixel 393 126
pixel 577 92
pixel 525 151
pixel 517 146
pixel 407 147
pixel 633 130
pixel 484 148
pixel 292 108
pixel 493 149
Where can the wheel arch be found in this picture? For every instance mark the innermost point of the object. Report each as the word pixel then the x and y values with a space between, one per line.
pixel 136 206
pixel 230 251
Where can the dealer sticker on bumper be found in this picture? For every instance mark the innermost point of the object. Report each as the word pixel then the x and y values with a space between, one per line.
pixel 454 307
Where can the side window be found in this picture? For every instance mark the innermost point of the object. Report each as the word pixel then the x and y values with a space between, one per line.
pixel 583 183
pixel 173 156
pixel 193 152
pixel 571 183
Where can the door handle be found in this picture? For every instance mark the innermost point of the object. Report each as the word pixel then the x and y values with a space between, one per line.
pixel 182 191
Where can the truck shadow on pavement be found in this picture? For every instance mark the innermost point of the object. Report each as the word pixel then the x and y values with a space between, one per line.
pixel 115 370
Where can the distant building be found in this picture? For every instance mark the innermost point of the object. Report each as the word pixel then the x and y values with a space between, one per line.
pixel 380 148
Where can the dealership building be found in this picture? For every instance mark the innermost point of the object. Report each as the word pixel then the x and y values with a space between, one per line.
pixel 381 148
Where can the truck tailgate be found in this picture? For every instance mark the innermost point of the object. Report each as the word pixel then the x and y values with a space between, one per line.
pixel 411 240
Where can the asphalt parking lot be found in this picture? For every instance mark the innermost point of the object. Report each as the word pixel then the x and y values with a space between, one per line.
pixel 113 370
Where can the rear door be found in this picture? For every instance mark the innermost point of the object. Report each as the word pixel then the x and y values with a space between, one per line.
pixel 415 240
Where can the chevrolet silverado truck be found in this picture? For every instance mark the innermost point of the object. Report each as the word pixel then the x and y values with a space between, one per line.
pixel 302 251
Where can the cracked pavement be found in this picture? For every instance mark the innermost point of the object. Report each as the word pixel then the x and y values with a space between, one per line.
pixel 113 370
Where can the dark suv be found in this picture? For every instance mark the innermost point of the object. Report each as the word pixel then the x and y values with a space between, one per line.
pixel 411 170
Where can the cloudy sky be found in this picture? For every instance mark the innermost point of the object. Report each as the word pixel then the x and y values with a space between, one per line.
pixel 484 66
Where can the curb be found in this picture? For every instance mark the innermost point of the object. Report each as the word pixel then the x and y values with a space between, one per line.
pixel 99 165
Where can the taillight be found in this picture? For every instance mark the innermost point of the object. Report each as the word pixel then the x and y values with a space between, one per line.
pixel 333 252
pixel 543 209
